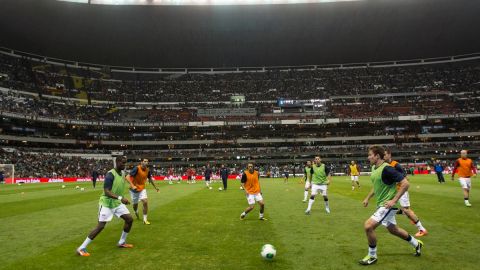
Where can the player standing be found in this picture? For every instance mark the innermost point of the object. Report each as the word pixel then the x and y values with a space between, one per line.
pixel 285 174
pixel 384 178
pixel 321 178
pixel 170 175
pixel 224 172
pixel 465 169
pixel 208 174
pixel 308 179
pixel 112 203
pixel 354 172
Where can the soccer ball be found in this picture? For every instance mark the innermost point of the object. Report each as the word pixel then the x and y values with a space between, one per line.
pixel 63 186
pixel 220 188
pixel 82 189
pixel 268 252
pixel 77 187
pixel 210 188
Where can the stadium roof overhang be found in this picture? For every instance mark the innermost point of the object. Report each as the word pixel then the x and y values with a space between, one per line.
pixel 200 2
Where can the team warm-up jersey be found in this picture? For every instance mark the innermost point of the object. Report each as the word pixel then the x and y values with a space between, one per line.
pixel 353 170
pixel 319 174
pixel 384 179
pixel 117 184
pixel 139 177
pixel 399 169
pixel 464 167
pixel 308 174
pixel 250 181
pixel 224 173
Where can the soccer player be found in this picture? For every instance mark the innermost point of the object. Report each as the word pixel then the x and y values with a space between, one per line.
pixel 465 169
pixel 285 174
pixel 405 198
pixel 354 172
pixel 208 174
pixel 308 179
pixel 137 178
pixel 170 175
pixel 191 175
pixel 112 203
pixel 438 168
pixel 321 178
pixel 224 172
pixel 384 178
pixel 94 177
pixel 251 185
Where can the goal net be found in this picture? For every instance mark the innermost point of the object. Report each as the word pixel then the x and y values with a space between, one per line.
pixel 7 174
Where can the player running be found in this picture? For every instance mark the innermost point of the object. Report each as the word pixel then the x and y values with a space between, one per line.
pixel 354 172
pixel 321 178
pixel 308 179
pixel 384 179
pixel 112 203
pixel 251 185
pixel 405 199
pixel 137 178
pixel 465 168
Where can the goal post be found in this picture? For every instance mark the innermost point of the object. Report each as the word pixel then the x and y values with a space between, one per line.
pixel 7 174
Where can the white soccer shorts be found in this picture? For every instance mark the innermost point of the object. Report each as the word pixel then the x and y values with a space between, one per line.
pixel 138 196
pixel 307 184
pixel 252 198
pixel 385 216
pixel 465 182
pixel 105 214
pixel 354 178
pixel 322 189
pixel 404 200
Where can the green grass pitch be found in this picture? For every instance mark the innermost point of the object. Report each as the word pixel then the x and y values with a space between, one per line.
pixel 41 225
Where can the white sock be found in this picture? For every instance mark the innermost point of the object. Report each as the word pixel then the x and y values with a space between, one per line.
pixel 85 243
pixel 372 251
pixel 310 203
pixel 261 215
pixel 145 217
pixel 244 214
pixel 305 195
pixel 123 238
pixel 420 226
pixel 327 205
pixel 413 241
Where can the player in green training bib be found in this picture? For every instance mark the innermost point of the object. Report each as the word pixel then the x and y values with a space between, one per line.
pixel 112 203
pixel 321 178
pixel 384 179
pixel 308 179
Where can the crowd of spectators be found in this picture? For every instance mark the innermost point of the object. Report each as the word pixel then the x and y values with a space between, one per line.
pixel 269 85
pixel 33 107
pixel 36 164
pixel 48 162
